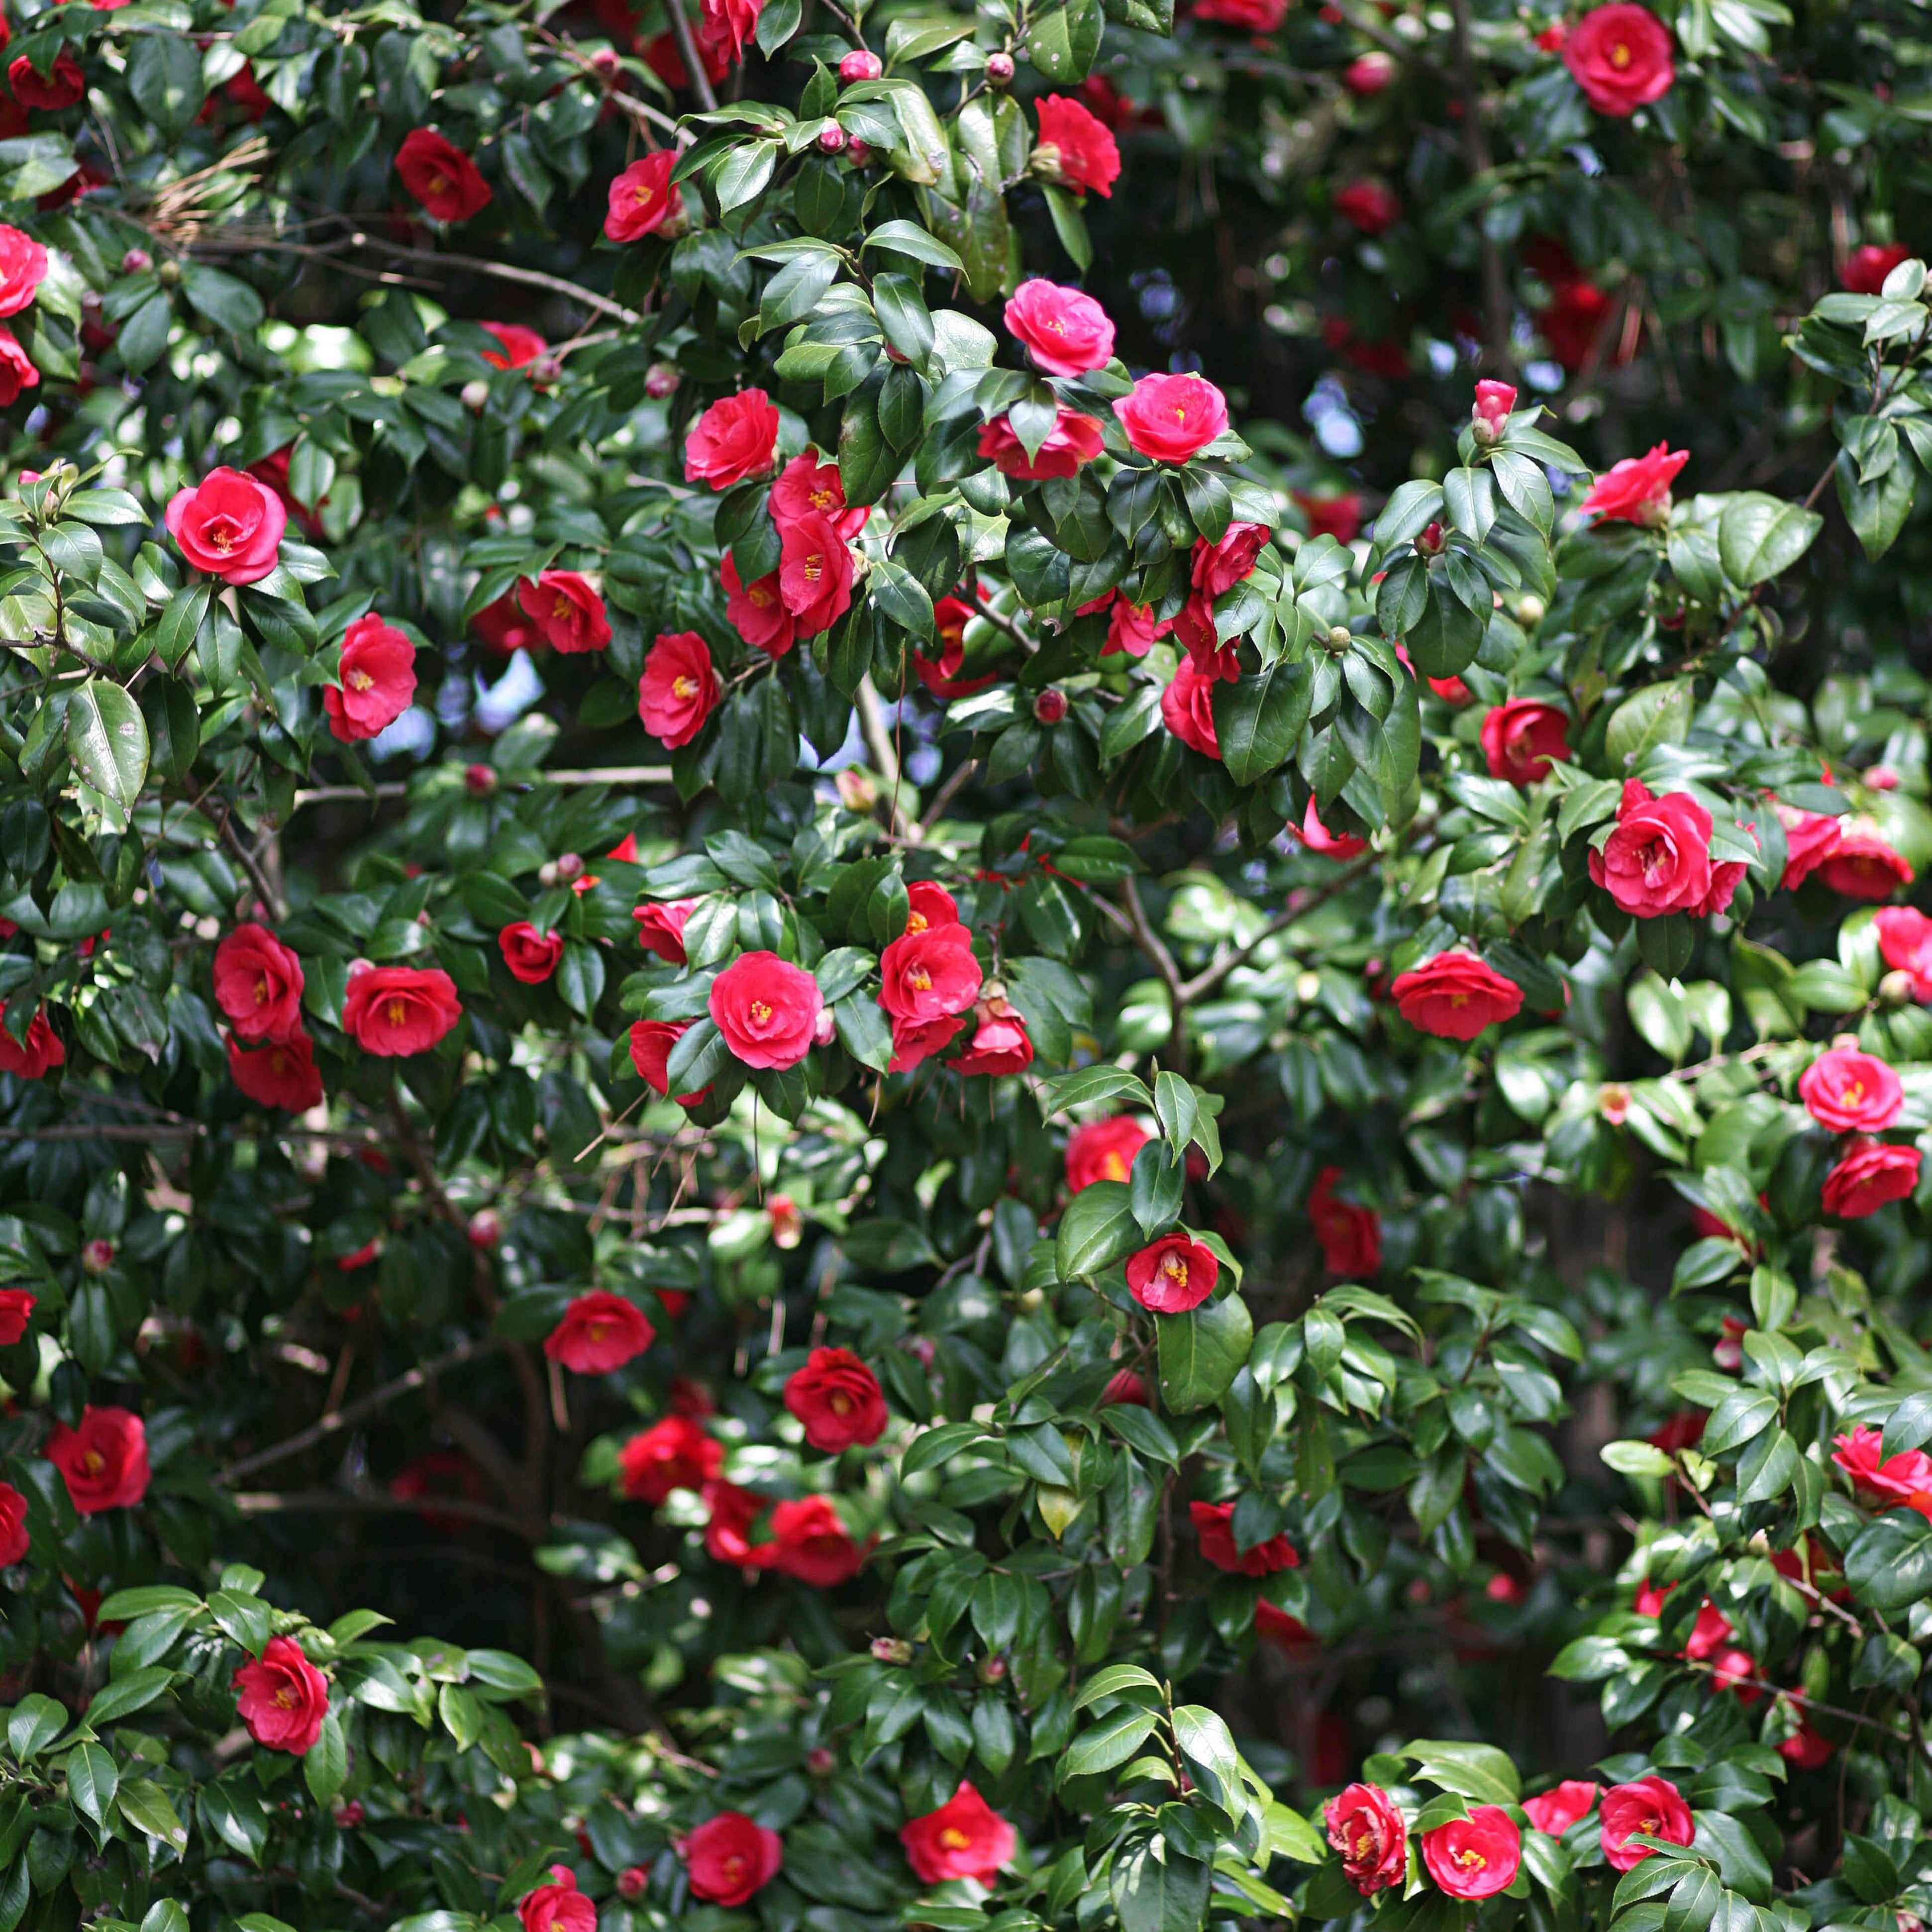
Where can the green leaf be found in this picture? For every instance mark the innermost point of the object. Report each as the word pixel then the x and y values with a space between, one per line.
pixel 1201 1351
pixel 1659 714
pixel 36 1721
pixel 326 1762
pixel 228 303
pixel 1112 1741
pixel 145 1805
pixel 1479 1772
pixel 91 1780
pixel 1759 536
pixel 107 741
pixel 164 76
pixel 1089 1086
pixel 1098 1229
pixel 1156 1889
pixel 126 1695
pixel 907 238
pixel 1115 1681
pixel 1258 719
pixel 1889 1564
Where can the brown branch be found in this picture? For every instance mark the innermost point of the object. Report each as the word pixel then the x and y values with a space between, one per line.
pixel 505 271
pixel 1155 947
pixel 271 1502
pixel 687 52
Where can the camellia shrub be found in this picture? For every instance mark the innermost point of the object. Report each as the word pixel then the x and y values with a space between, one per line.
pixel 957 968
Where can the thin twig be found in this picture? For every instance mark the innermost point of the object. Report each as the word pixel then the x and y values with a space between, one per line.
pixel 1155 947
pixel 687 52
pixel 1210 977
pixel 270 1502
pixel 505 271
pixel 885 761
pixel 272 899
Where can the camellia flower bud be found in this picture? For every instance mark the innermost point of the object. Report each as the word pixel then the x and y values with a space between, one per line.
pixel 856 791
pixel 991 1670
pixel 861 63
pixel 486 1228
pixel 660 379
pixel 569 867
pixel 858 153
pixel 787 1223
pixel 474 395
pixel 479 781
pixel 170 273
pixel 820 1761
pixel 98 1257
pixel 349 1816
pixel 1530 610
pixel 604 60
pixel 892 1650
pixel 135 260
pixel 1050 706
pixel 831 138
pixel 547 873
pixel 1340 637
pixel 1430 541
pixel 1490 416
pixel 1894 990
pixel 1000 70
pixel 631 1882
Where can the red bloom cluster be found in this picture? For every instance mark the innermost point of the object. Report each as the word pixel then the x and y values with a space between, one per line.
pixel 1658 860
pixel 1214 1526
pixel 673 1454
pixel 768 1010
pixel 1905 1479
pixel 803 1537
pixel 928 980
pixel 838 1400
pixel 1351 1236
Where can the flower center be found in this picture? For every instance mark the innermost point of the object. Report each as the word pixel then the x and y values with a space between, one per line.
pixel 953 1839
pixel 1174 1267
pixel 285 1699
pixel 821 499
pixel 597 1331
pixel 397 1013
pixel 262 990
pixel 1655 859
pixel 438 185
pixel 92 1461
pixel 1113 1167
pixel 841 1403
pixel 1470 1860
pixel 733 1869
pixel 814 567
pixel 761 1013
pixel 920 979
pixel 562 607
pixel 759 595
pixel 357 680
pixel 682 686
pixel 1620 55
pixel 916 922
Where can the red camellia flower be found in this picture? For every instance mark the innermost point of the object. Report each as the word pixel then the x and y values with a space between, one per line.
pixel 1905 939
pixel 1066 332
pixel 1215 568
pixel 1340 516
pixel 1870 1173
pixel 282 1073
pixel 806 486
pixel 1074 440
pixel 1810 839
pixel 642 196
pixel 1124 1385
pixel 766 1008
pixel 1074 149
pixel 23 267
pixel 16 368
pixel 31 1057
pixel 726 27
pixel 379 679
pixel 521 346
pixel 1368 74
pixel 283 1697
pixel 1651 1807
pixel 679 689
pixel 1620 55
pixel 600 1331
pixel 531 955
pixel 651 1042
pixel 1851 1092
pixel 61 88
pixel 1368 206
pixel 1351 1236
pixel 1555 1811
pixel 1865 268
pixel 502 627
pixel 394 1011
pixel 1173 1274
pixel 1132 628
pixel 1278 1627
pixel 1805 1749
pixel 1474 1857
pixel 837 1399
pixel 1365 1827
pixel 258 984
pixel 1212 1525
pixel 1862 865
pixel 441 176
pixel 1521 737
pixel 814 572
pixel 737 437
pixel 14 1541
pixel 1637 489
pixel 1249 16
pixel 1455 995
pixel 229 525
pixel 728 1858
pixel 731 1512
pixel 673 1454
pixel 941 676
pixel 1187 709
pixel 1318 838
pixel 810 1544
pixel 1904 1478
pixel 661 928
pixel 104 1462
pixel 558 1907
pixel 16 1307
pixel 564 607
pixel 928 975
pixel 1172 418
pixel 757 611
pixel 1658 859
pixel 1000 1043
pixel 1102 1151
pixel 965 1838
pixel 1570 323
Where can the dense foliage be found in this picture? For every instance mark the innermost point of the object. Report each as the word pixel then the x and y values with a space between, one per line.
pixel 958 967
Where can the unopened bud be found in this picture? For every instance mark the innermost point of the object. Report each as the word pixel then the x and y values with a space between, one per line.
pixel 1050 706
pixel 858 153
pixel 1031 1301
pixel 569 867
pixel 98 1257
pixel 170 273
pixel 861 63
pixel 832 138
pixel 1530 610
pixel 545 370
pixel 349 1816
pixel 604 60
pixel 479 781
pixel 1430 541
pixel 475 394
pixel 787 1223
pixel 1490 416
pixel 1894 990
pixel 631 1882
pixel 820 1761
pixel 547 873
pixel 661 380
pixel 991 1670
pixel 1000 70
pixel 486 1228
pixel 855 789
pixel 892 1650
pixel 1340 637
pixel 135 260
pixel 1307 986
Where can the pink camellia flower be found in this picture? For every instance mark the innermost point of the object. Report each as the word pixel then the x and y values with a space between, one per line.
pixel 1728 1351
pixel 1870 1173
pixel 860 64
pixel 558 1907
pixel 756 611
pixel 679 690
pixel 1173 1274
pixel 1365 1827
pixel 1520 738
pixel 1000 1043
pixel 806 487
pixel 1905 1478
pixel 1810 838
pixel 1318 839
pixel 726 28
pixel 1455 995
pixel 521 346
pixel 1865 268
pixel 394 1011
pixel 283 1697
pixel 378 677
pixel 1075 149
pixel 566 611
pixel 728 1858
pixel 531 956
pixel 1124 1385
pixel 23 267
pixel 1073 441
pixel 1651 1807
pixel 229 525
pixel 838 1400
pixel 1658 859
pixel 1368 206
pixel 258 984
pixel 1637 489
pixel 1474 1857
pixel 1065 331
pixel 103 1462
pixel 1862 865
pixel 441 176
pixel 930 974
pixel 1368 73
pixel 1620 55
pixel 1172 418
pixel 1905 940
pixel 1249 17
pixel 599 1332
pixel 1491 412
pixel 642 197
pixel 1187 709
pixel 1555 1811
pixel 965 1838
pixel 661 929
pixel 815 573
pixel 1851 1092
pixel 737 437
pixel 766 1008
pixel 1102 1151
pixel 1214 1528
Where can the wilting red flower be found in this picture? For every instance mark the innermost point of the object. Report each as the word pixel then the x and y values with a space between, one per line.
pixel 599 1332
pixel 61 88
pixel 1172 418
pixel 1658 859
pixel 1173 1274
pixel 814 572
pixel 558 1907
pixel 1000 1043
pixel 1365 1827
pixel 31 1057
pixel 965 1838
pixel 1851 1092
pixel 766 1008
pixel 1318 838
pixel 1339 516
pixel 378 679
pixel 1474 1857
pixel 281 1073
pixel 1065 330
pixel 566 610
pixel 728 1858
pixel 737 437
pixel 283 1698
pixel 521 346
pixel 1810 839
pixel 104 1462
pixel 398 1010
pixel 1637 489
pixel 1368 206
pixel 679 690
pixel 14 1541
pixel 1555 1811
pixel 1651 1806
pixel 1521 737
pixel 1102 1151
pixel 1905 940
pixel 837 1399
pixel 1620 56
pixel 441 176
pixel 1571 321
pixel 811 1544
pixel 1187 709
pixel 641 197
pixel 1455 995
pixel 1865 268
pixel 258 984
pixel 1074 149
pixel 1213 1524
pixel 1870 1173
pixel 531 955
pixel 1074 440
pixel 1862 865
pixel 806 486
pixel 1351 1236
pixel 229 525
pixel 926 976
pixel 16 1307
pixel 673 1454
pixel 661 928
